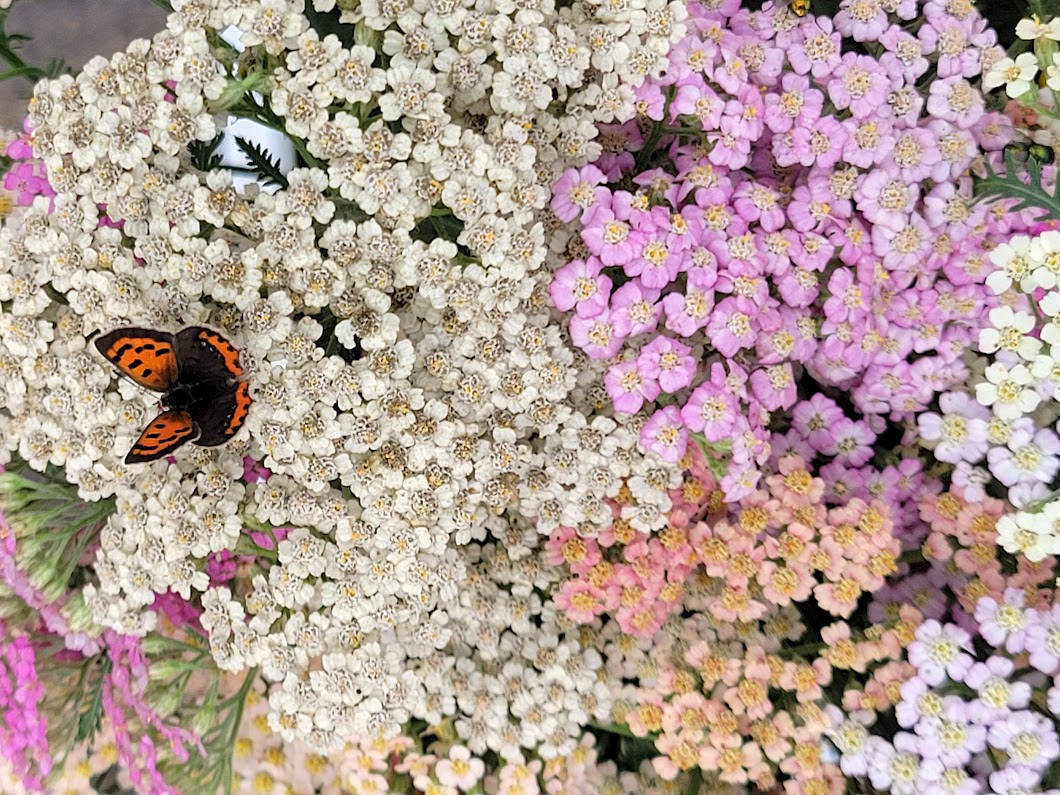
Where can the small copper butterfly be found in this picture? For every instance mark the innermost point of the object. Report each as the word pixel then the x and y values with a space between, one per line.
pixel 198 373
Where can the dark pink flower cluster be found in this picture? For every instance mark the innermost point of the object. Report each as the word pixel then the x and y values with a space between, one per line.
pixel 124 696
pixel 126 704
pixel 23 729
pixel 27 177
pixel 799 217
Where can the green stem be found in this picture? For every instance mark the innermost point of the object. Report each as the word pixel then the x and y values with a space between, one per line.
pixel 235 717
pixel 811 647
pixel 615 728
pixel 20 68
pixel 695 781
pixel 649 146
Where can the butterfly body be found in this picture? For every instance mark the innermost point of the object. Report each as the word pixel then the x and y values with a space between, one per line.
pixel 198 373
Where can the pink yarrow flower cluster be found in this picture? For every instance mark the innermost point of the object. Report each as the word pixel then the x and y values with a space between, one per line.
pixel 23 727
pixel 27 178
pixel 811 226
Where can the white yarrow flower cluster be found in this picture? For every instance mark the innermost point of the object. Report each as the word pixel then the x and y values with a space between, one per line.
pixel 1008 431
pixel 422 416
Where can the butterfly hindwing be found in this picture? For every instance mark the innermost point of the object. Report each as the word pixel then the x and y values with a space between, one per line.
pixel 206 355
pixel 146 356
pixel 223 417
pixel 209 364
pixel 168 431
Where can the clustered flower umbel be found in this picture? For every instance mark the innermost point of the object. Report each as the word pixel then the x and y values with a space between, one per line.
pixel 455 412
pixel 964 718
pixel 815 221
pixel 1004 429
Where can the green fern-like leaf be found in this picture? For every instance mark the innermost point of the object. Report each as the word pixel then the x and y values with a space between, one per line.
pixel 91 716
pixel 1030 194
pixel 266 168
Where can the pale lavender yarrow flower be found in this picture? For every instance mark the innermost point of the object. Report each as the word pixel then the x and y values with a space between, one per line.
pixel 790 443
pixel 951 738
pixel 919 702
pixel 691 310
pixel 915 156
pixel 773 387
pixel 904 53
pixel 854 442
pixel 665 435
pixel 797 104
pixel 607 233
pixel 783 336
pixel 758 201
pixel 943 28
pixel 971 479
pixel 842 483
pixel 731 325
pixel 858 83
pixel 940 650
pixel 1043 639
pixel 997 693
pixel 959 432
pixel 577 191
pixel 817 50
pixel 853 741
pixel 601 337
pixel 1030 455
pixel 868 24
pixel 628 387
pixel 884 198
pixel 1004 623
pixel 1027 738
pixel 580 285
pixel 713 409
pixel 669 362
pixel 897 768
pixel 696 99
pixel 940 779
pixel 822 144
pixel 1018 780
pixel 823 204
pixel 656 261
pixel 905 248
pixel 639 305
pixel 955 100
pixel 815 419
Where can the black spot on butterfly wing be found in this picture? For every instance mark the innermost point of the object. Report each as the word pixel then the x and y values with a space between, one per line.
pixel 166 432
pixel 144 355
